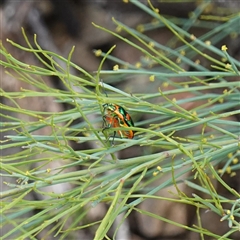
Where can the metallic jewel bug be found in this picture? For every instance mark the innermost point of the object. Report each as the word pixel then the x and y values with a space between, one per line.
pixel 117 116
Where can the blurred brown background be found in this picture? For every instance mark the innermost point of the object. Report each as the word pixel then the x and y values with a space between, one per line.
pixel 61 24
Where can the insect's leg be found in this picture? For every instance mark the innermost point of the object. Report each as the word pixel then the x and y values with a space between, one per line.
pixel 105 125
pixel 104 122
pixel 114 134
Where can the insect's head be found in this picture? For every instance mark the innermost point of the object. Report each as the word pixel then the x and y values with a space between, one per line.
pixel 109 107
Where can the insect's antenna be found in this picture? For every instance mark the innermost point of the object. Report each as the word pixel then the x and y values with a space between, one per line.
pixel 103 88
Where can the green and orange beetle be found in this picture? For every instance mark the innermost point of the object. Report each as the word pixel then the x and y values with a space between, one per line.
pixel 116 116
